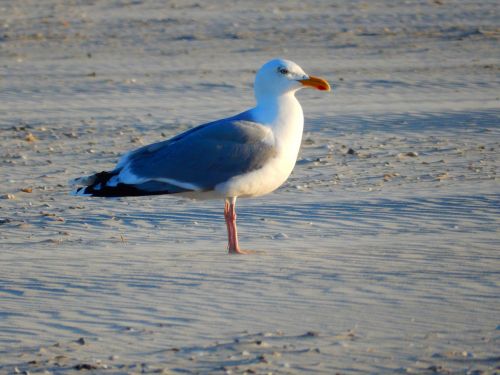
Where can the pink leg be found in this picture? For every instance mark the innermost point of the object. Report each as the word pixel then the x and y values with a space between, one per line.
pixel 232 232
pixel 227 217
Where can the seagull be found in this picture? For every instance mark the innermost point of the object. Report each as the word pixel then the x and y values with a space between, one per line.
pixel 247 155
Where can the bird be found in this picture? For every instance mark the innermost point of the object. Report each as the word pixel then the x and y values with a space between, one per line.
pixel 246 155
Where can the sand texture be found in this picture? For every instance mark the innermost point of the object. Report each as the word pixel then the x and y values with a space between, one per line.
pixel 380 254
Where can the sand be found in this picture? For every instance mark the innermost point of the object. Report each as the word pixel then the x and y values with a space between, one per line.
pixel 379 254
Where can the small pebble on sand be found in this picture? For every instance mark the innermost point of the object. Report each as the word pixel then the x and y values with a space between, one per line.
pixel 30 138
pixel 351 152
pixel 280 236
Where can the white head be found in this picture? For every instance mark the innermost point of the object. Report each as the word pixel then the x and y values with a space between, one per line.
pixel 278 77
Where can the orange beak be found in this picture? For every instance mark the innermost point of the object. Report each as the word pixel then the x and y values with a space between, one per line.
pixel 316 82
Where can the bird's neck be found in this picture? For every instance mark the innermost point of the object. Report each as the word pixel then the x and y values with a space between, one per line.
pixel 277 109
pixel 283 114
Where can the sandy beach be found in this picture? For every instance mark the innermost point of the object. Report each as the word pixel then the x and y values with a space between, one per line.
pixel 379 255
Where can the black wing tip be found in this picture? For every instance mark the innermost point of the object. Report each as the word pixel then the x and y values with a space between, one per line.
pixel 120 190
pixel 99 188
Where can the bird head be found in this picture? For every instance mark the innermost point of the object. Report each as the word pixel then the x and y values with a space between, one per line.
pixel 279 76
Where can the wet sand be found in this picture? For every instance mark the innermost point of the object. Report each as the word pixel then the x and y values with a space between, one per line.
pixel 379 254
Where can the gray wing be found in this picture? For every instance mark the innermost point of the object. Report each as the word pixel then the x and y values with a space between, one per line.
pixel 203 156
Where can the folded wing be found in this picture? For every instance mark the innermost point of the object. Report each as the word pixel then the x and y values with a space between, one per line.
pixel 196 160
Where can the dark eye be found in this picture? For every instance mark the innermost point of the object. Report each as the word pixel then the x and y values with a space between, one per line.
pixel 283 71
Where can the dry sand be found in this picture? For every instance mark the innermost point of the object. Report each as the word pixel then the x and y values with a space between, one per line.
pixel 380 252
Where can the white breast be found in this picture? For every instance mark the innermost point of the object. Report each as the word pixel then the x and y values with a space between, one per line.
pixel 286 120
